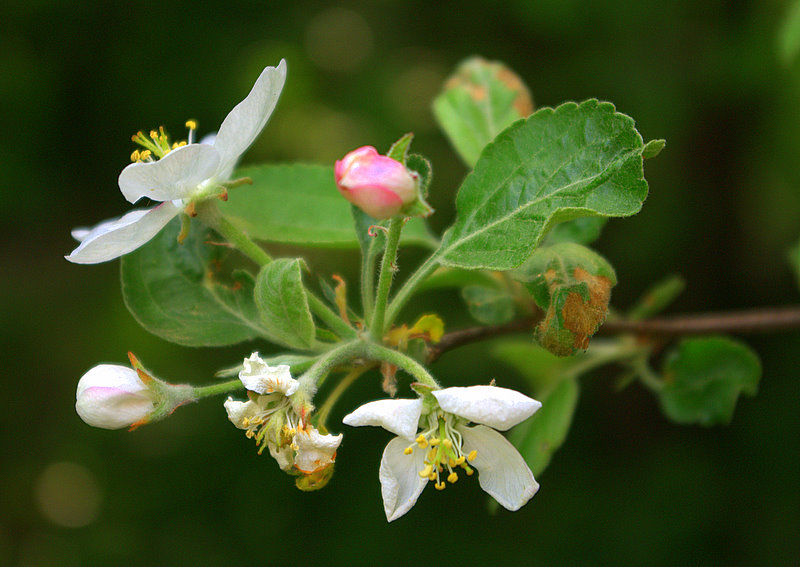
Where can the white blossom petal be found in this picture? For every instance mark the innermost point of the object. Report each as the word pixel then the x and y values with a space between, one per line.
pixel 314 450
pixel 401 417
pixel 284 456
pixel 175 176
pixel 401 484
pixel 112 397
pixel 499 408
pixel 258 376
pixel 114 238
pixel 244 123
pixel 502 472
pixel 239 411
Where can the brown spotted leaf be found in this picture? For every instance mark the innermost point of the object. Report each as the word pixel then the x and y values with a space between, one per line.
pixel 478 102
pixel 572 284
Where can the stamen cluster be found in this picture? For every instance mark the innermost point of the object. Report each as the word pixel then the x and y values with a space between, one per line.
pixel 445 452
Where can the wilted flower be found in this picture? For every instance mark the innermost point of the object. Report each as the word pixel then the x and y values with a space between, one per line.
pixel 184 173
pixel 379 185
pixel 433 441
pixel 269 418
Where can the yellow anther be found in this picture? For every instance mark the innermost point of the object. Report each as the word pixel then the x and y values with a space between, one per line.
pixel 451 462
pixel 191 124
pixel 137 136
pixel 409 450
pixel 154 134
pixel 426 472
pixel 460 460
pixel 246 422
pixel 470 471
pixel 422 442
pixel 440 485
pixel 452 478
pixel 435 441
pixel 135 156
pixel 447 443
pixel 295 447
pixel 472 455
pixel 432 476
pixel 249 433
pixel 143 155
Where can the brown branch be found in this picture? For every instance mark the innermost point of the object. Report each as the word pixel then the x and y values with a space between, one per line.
pixel 761 320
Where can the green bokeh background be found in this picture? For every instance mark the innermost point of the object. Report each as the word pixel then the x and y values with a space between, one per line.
pixel 628 488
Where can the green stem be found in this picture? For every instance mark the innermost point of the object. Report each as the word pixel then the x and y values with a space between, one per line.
pixel 414 368
pixel 388 261
pixel 330 318
pixel 337 392
pixel 216 389
pixel 337 355
pixel 368 279
pixel 209 213
pixel 404 293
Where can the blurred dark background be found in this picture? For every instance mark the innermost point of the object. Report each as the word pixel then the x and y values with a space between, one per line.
pixel 628 488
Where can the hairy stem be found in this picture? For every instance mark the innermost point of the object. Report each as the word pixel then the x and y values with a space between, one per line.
pixel 408 288
pixel 337 392
pixel 330 317
pixel 209 213
pixel 385 277
pixel 414 368
pixel 216 389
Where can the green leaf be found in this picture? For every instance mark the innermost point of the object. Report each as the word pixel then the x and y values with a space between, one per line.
pixel 300 204
pixel 422 166
pixel 283 303
pixel 399 149
pixel 789 36
pixel 169 289
pixel 657 298
pixel 489 305
pixel 653 148
pixel 703 378
pixel 478 102
pixel 583 230
pixel 574 161
pixel 542 435
pixel 572 284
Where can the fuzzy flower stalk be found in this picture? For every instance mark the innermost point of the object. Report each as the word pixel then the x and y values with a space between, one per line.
pixel 179 174
pixel 110 396
pixel 434 443
pixel 379 185
pixel 268 416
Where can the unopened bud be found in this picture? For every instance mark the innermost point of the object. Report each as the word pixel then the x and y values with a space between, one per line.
pixel 379 185
pixel 113 397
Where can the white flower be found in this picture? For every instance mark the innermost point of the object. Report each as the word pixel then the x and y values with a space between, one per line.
pixel 269 418
pixel 183 174
pixel 445 443
pixel 112 397
pixel 258 376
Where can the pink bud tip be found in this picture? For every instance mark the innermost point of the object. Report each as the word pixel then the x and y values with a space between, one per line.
pixel 379 185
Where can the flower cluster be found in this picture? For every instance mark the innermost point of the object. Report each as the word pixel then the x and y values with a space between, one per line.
pixel 270 418
pixel 179 174
pixel 434 441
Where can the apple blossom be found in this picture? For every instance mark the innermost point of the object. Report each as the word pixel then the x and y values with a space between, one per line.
pixel 380 186
pixel 433 441
pixel 182 174
pixel 269 417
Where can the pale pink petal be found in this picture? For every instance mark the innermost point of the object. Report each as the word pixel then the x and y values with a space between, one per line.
pixel 175 176
pixel 502 472
pixel 115 238
pixel 401 484
pixel 401 417
pixel 244 123
pixel 499 408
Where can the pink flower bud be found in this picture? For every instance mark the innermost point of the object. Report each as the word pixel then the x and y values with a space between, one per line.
pixel 379 185
pixel 113 397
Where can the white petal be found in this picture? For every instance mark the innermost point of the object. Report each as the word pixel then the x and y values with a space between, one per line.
pixel 258 376
pixel 111 376
pixel 175 176
pixel 314 450
pixel 244 123
pixel 401 417
pixel 499 408
pixel 284 456
pixel 502 472
pixel 238 411
pixel 401 484
pixel 115 238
